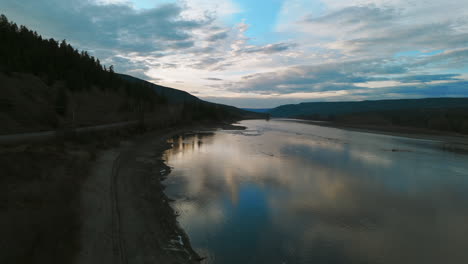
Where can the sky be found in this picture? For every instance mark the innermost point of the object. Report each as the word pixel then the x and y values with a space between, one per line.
pixel 265 53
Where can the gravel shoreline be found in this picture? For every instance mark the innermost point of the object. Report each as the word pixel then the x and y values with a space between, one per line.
pixel 125 215
pixel 447 141
pixel 96 198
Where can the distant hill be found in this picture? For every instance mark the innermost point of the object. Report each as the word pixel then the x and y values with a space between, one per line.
pixel 257 110
pixel 443 114
pixel 172 95
pixel 327 109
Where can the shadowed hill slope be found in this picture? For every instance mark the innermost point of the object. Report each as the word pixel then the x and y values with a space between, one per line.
pixel 443 114
pixel 172 95
pixel 49 85
pixel 326 109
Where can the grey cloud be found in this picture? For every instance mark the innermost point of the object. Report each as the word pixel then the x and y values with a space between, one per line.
pixel 428 78
pixel 457 58
pixel 213 79
pixel 436 36
pixel 422 78
pixel 222 66
pixel 118 27
pixel 319 78
pixel 366 16
pixel 386 30
pixel 183 44
pixel 218 36
pixel 271 48
pixel 204 50
pixel 169 66
pixel 348 76
pixel 206 63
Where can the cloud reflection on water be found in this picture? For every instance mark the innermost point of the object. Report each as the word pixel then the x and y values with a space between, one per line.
pixel 304 199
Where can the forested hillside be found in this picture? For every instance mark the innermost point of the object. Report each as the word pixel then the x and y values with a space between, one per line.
pixel 445 114
pixel 194 108
pixel 47 84
pixel 23 50
pixel 330 109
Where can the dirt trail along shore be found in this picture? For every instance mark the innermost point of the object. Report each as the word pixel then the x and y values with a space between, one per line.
pixel 126 217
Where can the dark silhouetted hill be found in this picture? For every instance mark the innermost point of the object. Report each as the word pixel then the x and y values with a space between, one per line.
pixel 443 114
pixel 175 96
pixel 327 109
pixel 172 95
pixel 258 110
pixel 48 85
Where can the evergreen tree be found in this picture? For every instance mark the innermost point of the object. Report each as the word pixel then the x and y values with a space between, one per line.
pixel 23 50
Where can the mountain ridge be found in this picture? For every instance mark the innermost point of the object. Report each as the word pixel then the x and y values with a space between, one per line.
pixel 172 95
pixel 346 107
pixel 449 114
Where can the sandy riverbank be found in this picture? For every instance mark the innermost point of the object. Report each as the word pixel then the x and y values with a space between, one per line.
pixel 125 215
pixel 447 141
pixel 90 200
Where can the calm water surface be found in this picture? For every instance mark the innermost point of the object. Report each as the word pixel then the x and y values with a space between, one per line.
pixel 289 192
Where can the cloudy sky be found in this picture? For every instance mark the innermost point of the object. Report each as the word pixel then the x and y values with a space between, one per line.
pixel 264 53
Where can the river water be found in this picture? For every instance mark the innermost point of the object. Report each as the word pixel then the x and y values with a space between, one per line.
pixel 284 191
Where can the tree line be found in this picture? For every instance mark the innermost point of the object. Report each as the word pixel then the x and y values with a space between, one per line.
pixel 24 50
pixel 444 119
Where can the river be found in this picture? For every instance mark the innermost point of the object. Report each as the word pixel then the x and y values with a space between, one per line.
pixel 284 191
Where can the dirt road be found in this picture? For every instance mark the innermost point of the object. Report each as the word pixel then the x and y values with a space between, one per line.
pixel 45 135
